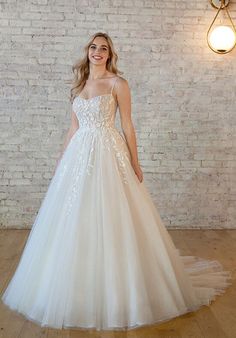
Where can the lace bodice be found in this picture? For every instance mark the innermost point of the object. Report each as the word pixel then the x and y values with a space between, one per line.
pixel 96 116
pixel 96 112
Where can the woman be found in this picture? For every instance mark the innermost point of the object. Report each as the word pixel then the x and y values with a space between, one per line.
pixel 98 255
pixel 98 70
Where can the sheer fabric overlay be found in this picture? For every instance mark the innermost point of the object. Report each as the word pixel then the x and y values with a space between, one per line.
pixel 98 255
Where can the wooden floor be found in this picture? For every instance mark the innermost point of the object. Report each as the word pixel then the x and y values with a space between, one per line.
pixel 216 321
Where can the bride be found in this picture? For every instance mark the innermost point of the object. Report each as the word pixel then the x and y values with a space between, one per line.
pixel 98 255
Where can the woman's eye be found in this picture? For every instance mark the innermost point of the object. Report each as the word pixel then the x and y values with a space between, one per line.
pixel 104 49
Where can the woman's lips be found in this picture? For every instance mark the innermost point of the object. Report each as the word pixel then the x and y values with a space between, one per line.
pixel 97 57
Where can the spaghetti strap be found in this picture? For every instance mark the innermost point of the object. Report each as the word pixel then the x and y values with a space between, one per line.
pixel 114 84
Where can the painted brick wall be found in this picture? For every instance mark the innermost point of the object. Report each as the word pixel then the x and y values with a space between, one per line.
pixel 183 102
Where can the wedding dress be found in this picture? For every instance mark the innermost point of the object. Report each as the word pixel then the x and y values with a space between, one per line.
pixel 98 255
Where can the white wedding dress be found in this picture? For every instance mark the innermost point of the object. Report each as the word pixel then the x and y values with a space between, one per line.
pixel 98 255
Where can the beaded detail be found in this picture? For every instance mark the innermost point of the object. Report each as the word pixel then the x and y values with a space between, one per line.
pixel 97 115
pixel 97 119
pixel 98 111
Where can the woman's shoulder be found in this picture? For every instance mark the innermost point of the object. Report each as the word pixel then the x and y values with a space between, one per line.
pixel 116 77
pixel 121 81
pixel 121 85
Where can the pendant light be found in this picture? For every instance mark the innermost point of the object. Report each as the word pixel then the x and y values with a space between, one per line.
pixel 222 39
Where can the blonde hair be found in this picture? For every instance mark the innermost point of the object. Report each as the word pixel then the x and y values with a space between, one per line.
pixel 81 67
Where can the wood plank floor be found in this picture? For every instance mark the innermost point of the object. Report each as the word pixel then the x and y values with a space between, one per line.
pixel 216 321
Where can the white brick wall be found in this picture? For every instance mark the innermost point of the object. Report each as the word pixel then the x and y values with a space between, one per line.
pixel 183 102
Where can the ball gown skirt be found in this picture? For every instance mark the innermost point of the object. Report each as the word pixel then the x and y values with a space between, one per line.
pixel 98 255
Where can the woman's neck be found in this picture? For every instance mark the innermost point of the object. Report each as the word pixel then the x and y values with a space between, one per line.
pixel 95 74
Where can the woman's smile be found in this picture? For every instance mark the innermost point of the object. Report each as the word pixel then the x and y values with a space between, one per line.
pixel 97 57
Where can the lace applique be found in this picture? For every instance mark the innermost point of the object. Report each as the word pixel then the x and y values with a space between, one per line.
pixel 97 114
pixel 116 141
pixel 96 119
pixel 77 170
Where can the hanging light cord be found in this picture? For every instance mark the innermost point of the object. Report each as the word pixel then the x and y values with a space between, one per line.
pixel 220 8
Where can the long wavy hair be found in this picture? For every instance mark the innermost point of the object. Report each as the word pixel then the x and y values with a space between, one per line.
pixel 81 68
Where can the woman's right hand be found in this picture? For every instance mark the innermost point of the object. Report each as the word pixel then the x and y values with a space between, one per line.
pixel 138 171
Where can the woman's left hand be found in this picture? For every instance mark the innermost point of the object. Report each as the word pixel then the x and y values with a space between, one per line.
pixel 138 171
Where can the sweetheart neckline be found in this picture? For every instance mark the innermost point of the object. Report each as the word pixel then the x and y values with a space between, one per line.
pixel 90 98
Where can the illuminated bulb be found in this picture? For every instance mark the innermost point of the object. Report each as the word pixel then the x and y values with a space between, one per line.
pixel 222 38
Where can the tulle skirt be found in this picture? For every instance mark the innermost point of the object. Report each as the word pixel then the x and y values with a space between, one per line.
pixel 98 255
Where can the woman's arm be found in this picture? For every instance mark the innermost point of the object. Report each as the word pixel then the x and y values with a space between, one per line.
pixel 73 127
pixel 124 101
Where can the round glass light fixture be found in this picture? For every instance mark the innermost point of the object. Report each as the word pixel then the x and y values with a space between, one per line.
pixel 222 39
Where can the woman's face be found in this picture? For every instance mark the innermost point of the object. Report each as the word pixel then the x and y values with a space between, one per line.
pixel 98 51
